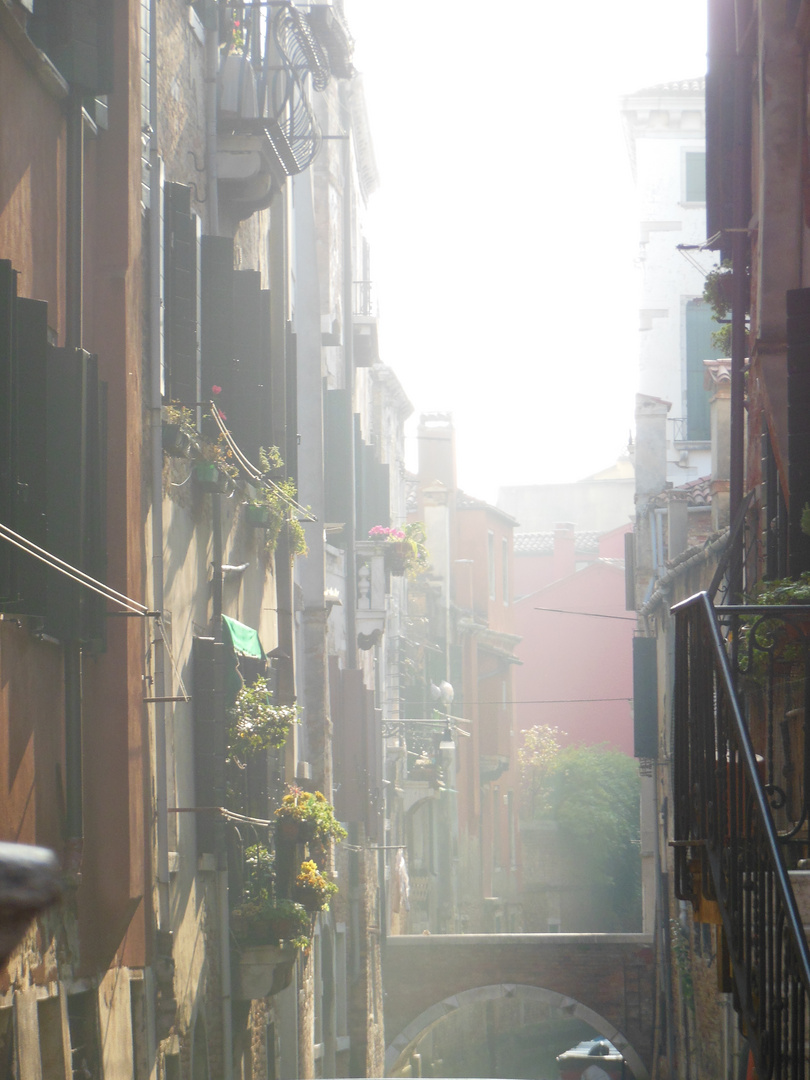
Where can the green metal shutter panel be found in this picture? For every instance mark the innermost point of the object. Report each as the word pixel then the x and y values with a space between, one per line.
pixel 30 437
pixel 699 329
pixel 338 427
pixel 182 301
pixel 242 391
pixel 76 503
pixel 645 698
pixel 210 738
pixel 217 313
pixel 8 292
pixel 77 35
pixel 798 391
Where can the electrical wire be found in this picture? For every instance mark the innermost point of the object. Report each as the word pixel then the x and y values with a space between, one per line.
pixel 253 472
pixel 65 568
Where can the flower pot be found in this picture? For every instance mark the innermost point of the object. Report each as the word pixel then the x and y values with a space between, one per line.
pixel 294 830
pixel 398 554
pixel 257 516
pixel 176 442
pixel 309 899
pixel 208 477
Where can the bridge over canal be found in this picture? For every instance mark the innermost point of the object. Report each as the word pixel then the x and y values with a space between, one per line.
pixel 607 980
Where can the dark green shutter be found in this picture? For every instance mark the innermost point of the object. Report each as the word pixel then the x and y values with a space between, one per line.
pixel 77 35
pixel 8 292
pixel 210 738
pixel 645 698
pixel 181 293
pixel 338 427
pixel 30 495
pixel 76 506
pixel 798 387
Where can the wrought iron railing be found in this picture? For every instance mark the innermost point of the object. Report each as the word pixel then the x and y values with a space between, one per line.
pixel 727 843
pixel 277 56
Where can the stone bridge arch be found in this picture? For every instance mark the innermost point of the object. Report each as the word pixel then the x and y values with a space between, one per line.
pixel 606 980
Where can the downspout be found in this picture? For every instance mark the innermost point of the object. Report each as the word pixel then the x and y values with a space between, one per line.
pixel 740 289
pixel 156 463
pixel 74 304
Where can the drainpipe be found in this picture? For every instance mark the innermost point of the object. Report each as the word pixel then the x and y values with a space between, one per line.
pixel 156 466
pixel 740 289
pixel 74 269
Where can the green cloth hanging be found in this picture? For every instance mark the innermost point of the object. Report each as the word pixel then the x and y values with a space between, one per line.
pixel 247 659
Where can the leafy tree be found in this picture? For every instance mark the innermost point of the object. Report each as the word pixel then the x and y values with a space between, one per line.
pixel 593 795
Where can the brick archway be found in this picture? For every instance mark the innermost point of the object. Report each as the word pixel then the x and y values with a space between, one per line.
pixel 607 980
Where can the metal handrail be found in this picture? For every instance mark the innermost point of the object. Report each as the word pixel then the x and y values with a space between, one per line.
pixel 727 848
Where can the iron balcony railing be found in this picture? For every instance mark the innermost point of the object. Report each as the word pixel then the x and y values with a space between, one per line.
pixel 271 58
pixel 740 804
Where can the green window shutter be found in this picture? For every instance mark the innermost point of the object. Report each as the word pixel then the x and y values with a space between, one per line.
pixel 338 428
pixel 181 259
pixel 699 329
pixel 23 347
pixel 77 35
pixel 243 391
pixel 30 437
pixel 8 292
pixel 217 312
pixel 798 387
pixel 210 738
pixel 75 500
pixel 645 698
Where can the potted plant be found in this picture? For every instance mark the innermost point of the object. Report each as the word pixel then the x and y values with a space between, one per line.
pixel 214 466
pixel 306 815
pixel 273 503
pixel 179 429
pixel 255 723
pixel 782 638
pixel 312 890
pixel 403 549
pixel 265 920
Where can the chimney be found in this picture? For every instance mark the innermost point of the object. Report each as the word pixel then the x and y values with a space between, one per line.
pixel 565 562
pixel 437 450
pixel 651 446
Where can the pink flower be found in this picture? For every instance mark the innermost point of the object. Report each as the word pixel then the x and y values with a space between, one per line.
pixel 216 389
pixel 221 415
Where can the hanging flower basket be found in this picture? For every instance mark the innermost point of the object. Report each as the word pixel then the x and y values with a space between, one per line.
pixel 398 555
pixel 176 441
pixel 257 516
pixel 208 477
pixel 294 831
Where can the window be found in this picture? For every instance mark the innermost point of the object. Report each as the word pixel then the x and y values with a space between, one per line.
pixel 695 176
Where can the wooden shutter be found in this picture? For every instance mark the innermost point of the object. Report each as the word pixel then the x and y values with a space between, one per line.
pixel 798 410
pixel 77 35
pixel 338 428
pixel 210 738
pixel 645 698
pixel 75 503
pixel 182 295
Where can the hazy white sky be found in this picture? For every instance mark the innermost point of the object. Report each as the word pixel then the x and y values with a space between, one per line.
pixel 504 232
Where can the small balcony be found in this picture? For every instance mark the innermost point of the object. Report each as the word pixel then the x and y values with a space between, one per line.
pixel 267 129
